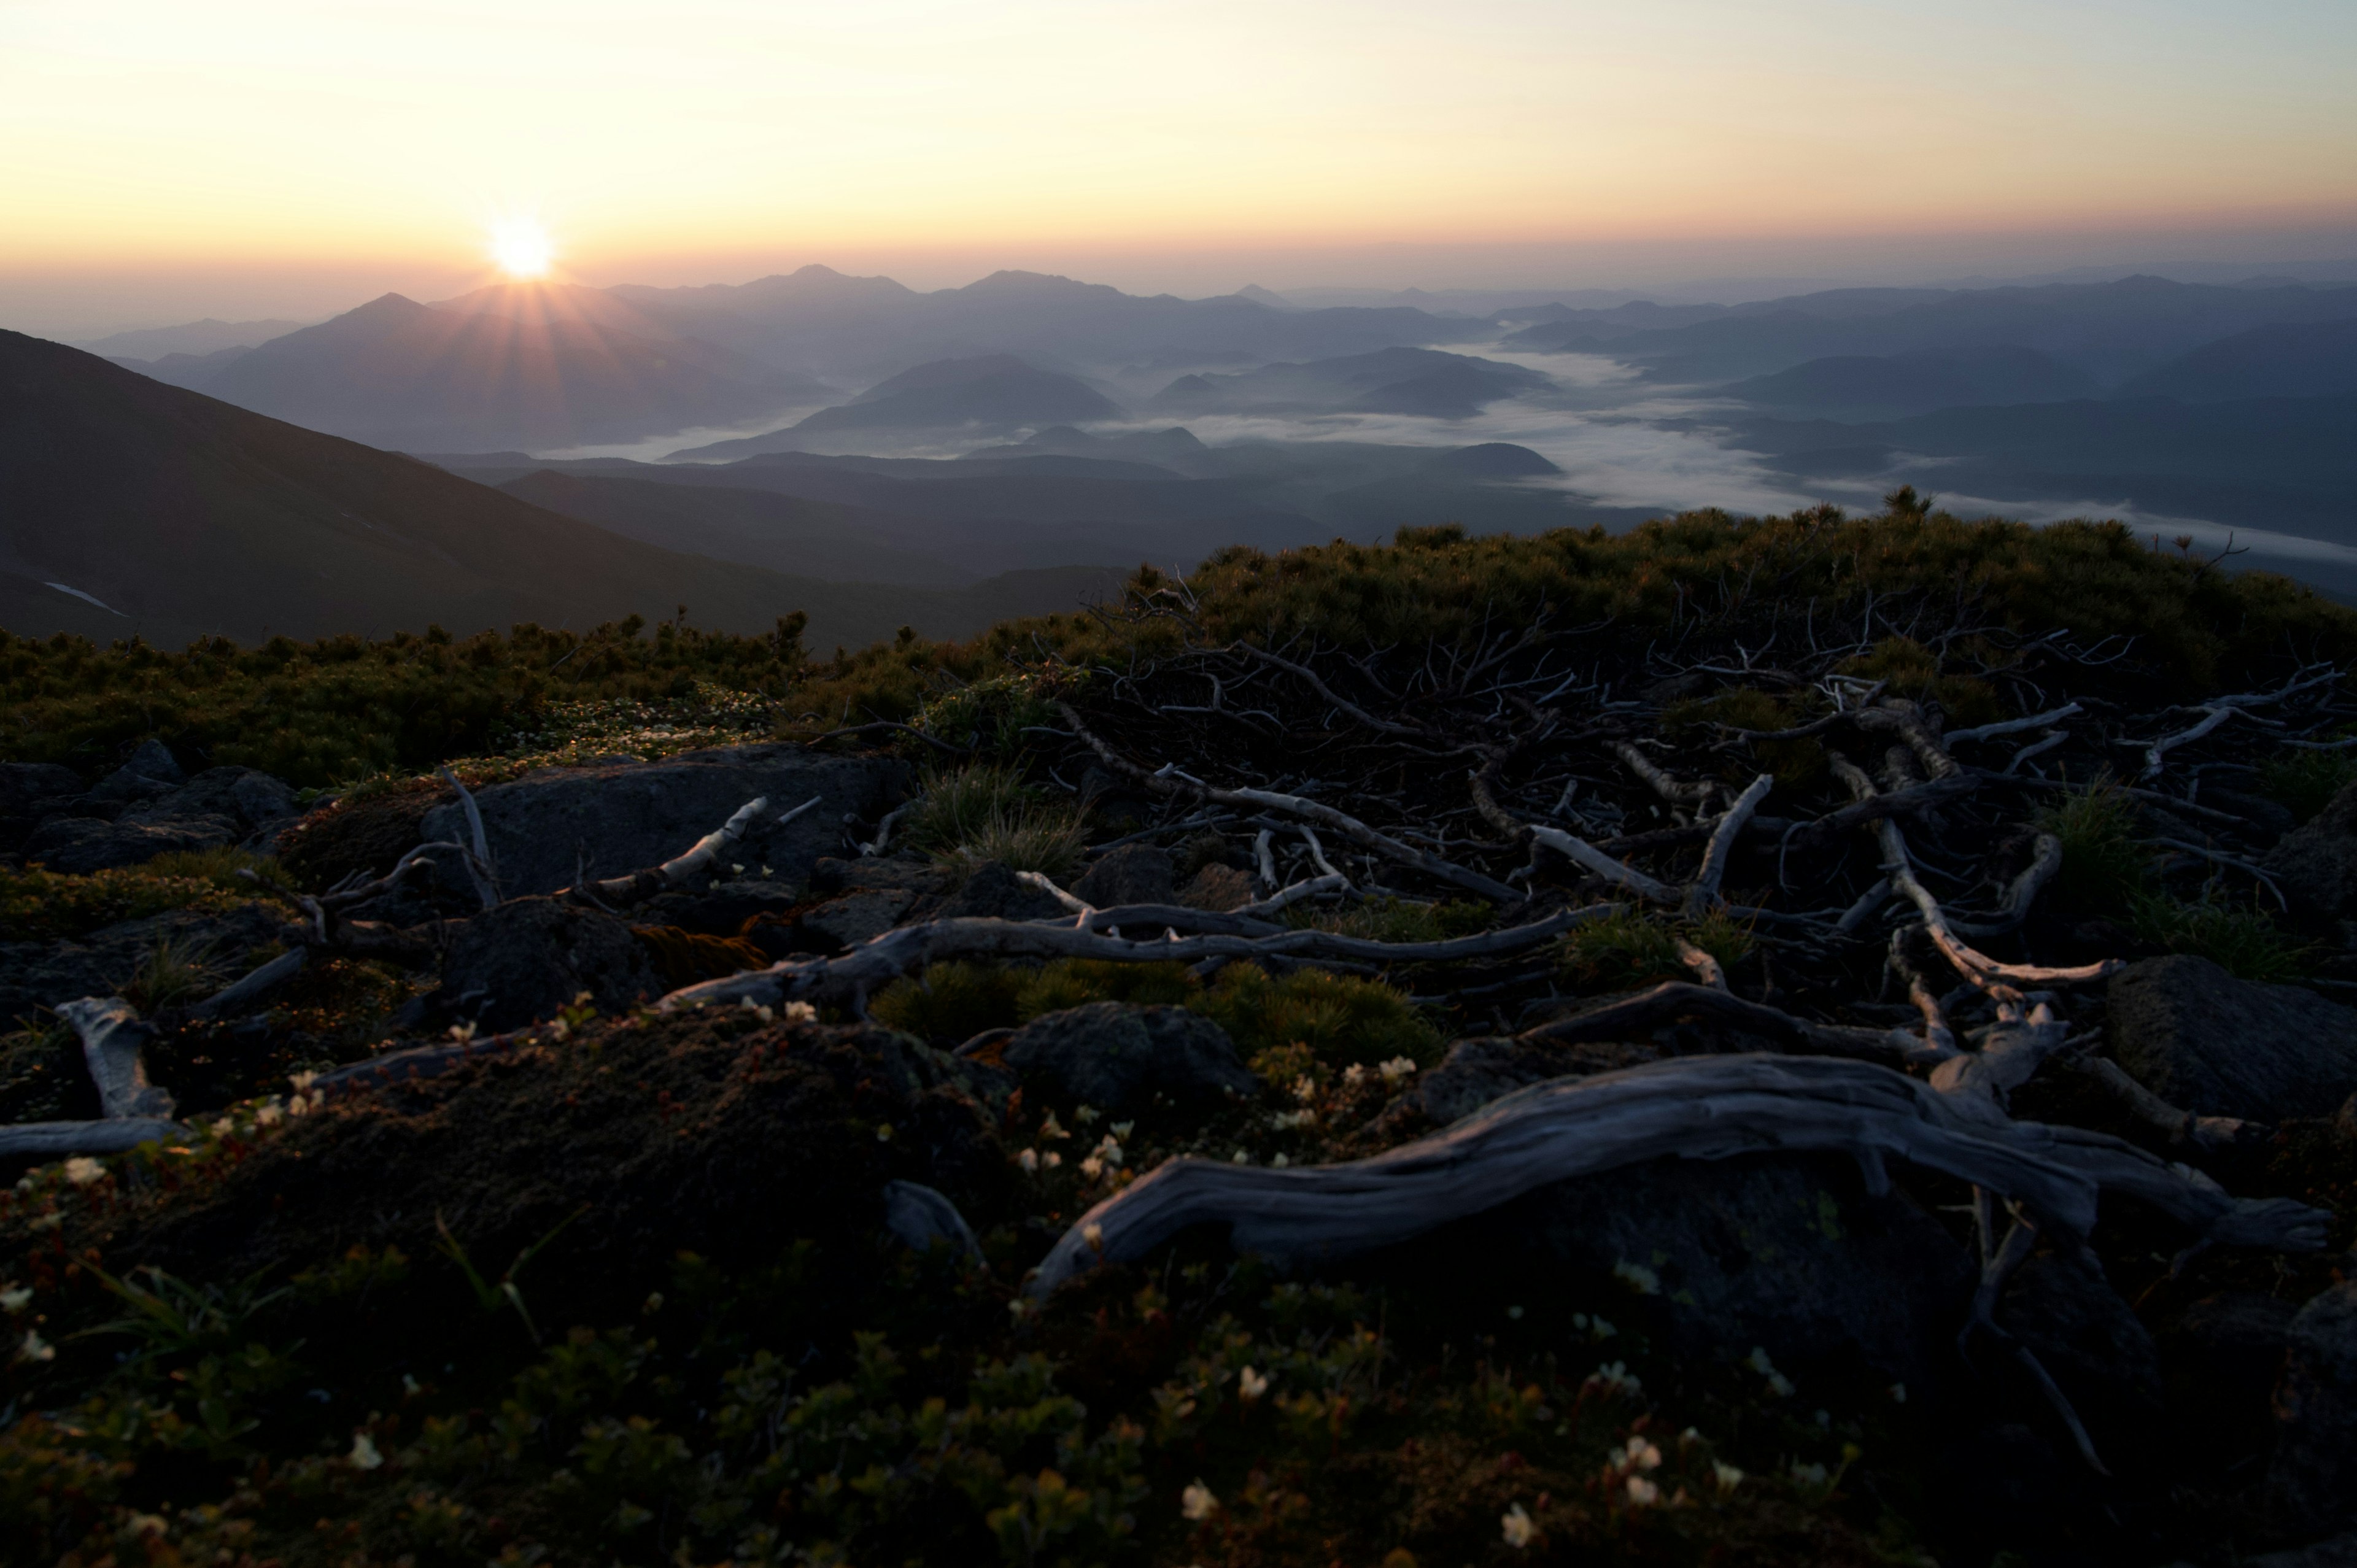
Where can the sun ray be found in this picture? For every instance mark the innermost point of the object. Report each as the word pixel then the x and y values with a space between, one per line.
pixel 520 247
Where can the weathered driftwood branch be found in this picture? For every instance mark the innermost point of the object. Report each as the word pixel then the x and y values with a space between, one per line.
pixel 642 885
pixel 111 1038
pixel 2202 1132
pixel 1703 892
pixel 263 978
pixel 41 1142
pixel 1677 791
pixel 1577 850
pixel 1672 1000
pixel 1295 805
pixel 477 859
pixel 1311 678
pixel 886 958
pixel 2015 726
pixel 1692 1107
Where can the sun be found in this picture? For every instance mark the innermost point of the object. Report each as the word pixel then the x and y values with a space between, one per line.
pixel 520 247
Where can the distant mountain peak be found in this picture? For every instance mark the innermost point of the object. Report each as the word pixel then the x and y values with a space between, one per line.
pixel 1260 295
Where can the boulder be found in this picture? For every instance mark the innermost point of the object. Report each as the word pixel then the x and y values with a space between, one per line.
pixel 1477 1071
pixel 914 874
pixel 2312 1482
pixel 2222 1357
pixel 1786 1252
pixel 150 772
pixel 1133 874
pixel 2317 864
pixel 858 917
pixel 24 785
pixel 80 846
pixel 1118 1059
pixel 528 958
pixel 2217 1045
pixel 992 892
pixel 1220 888
pixel 252 799
pixel 632 815
pixel 2090 1342
pixel 41 975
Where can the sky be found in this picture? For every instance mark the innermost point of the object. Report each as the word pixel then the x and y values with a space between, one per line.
pixel 160 159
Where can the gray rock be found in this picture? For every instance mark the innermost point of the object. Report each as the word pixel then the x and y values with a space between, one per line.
pixel 24 784
pixel 252 799
pixel 832 875
pixel 920 1218
pixel 992 892
pixel 1787 1253
pixel 1118 1059
pixel 859 917
pixel 42 974
pixel 1477 1071
pixel 529 958
pixel 1220 888
pixel 2093 1345
pixel 1133 874
pixel 80 846
pixel 150 772
pixel 2317 864
pixel 2312 1483
pixel 634 815
pixel 2217 1045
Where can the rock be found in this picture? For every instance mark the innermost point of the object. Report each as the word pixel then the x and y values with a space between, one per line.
pixel 2312 1483
pixel 252 799
pixel 720 911
pixel 921 1219
pixel 1787 1253
pixel 2091 1344
pixel 859 917
pixel 42 974
pixel 2317 864
pixel 2217 1045
pixel 634 815
pixel 1133 874
pixel 920 876
pixel 528 958
pixel 2268 816
pixel 1477 1071
pixel 1220 888
pixel 80 846
pixel 1118 1059
pixel 23 784
pixel 992 892
pixel 2222 1357
pixel 150 772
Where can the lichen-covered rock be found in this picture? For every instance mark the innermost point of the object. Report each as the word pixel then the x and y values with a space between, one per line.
pixel 631 815
pixel 2312 1483
pixel 1133 874
pixel 80 846
pixel 252 799
pixel 2317 864
pixel 150 772
pixel 2217 1045
pixel 1477 1071
pixel 1118 1059
pixel 859 917
pixel 529 958
pixel 993 891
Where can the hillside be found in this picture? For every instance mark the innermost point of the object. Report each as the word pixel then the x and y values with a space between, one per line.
pixel 1423 382
pixel 182 516
pixel 2306 359
pixel 1864 387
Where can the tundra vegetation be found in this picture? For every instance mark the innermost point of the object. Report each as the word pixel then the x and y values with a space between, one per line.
pixel 1809 847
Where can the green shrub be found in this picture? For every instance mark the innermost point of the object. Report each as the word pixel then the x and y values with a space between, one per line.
pixel 2305 782
pixel 2104 871
pixel 989 812
pixel 1343 1019
pixel 1396 919
pixel 1633 947
pixel 951 1001
pixel 1793 762
pixel 1076 982
pixel 36 902
pixel 2246 942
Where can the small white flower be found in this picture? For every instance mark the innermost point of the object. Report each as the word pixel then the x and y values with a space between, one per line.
pixel 36 1348
pixel 1304 1088
pixel 800 1012
pixel 1397 1068
pixel 1122 1129
pixel 1899 1393
pixel 301 1082
pixel 1728 1477
pixel 767 872
pixel 1354 1075
pixel 1051 1128
pixel 1240 1158
pixel 1094 1234
pixel 15 1298
pixel 1279 1163
pixel 1051 1159
pixel 363 1456
pixel 1810 1475
pixel 884 1132
pixel 561 1027
pixel 82 1170
pixel 1642 1492
pixel 1029 1160
pixel 736 869
pixel 1778 1383
pixel 1085 1114
pixel 1614 1377
pixel 464 1031
pixel 1601 1328
pixel 1639 1454
pixel 1251 1384
pixel 1517 1527
pixel 1197 1503
pixel 268 1113
pixel 1109 1151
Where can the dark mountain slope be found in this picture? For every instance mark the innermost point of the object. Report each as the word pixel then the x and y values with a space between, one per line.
pixel 1865 387
pixel 1390 381
pixel 2292 359
pixel 183 516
